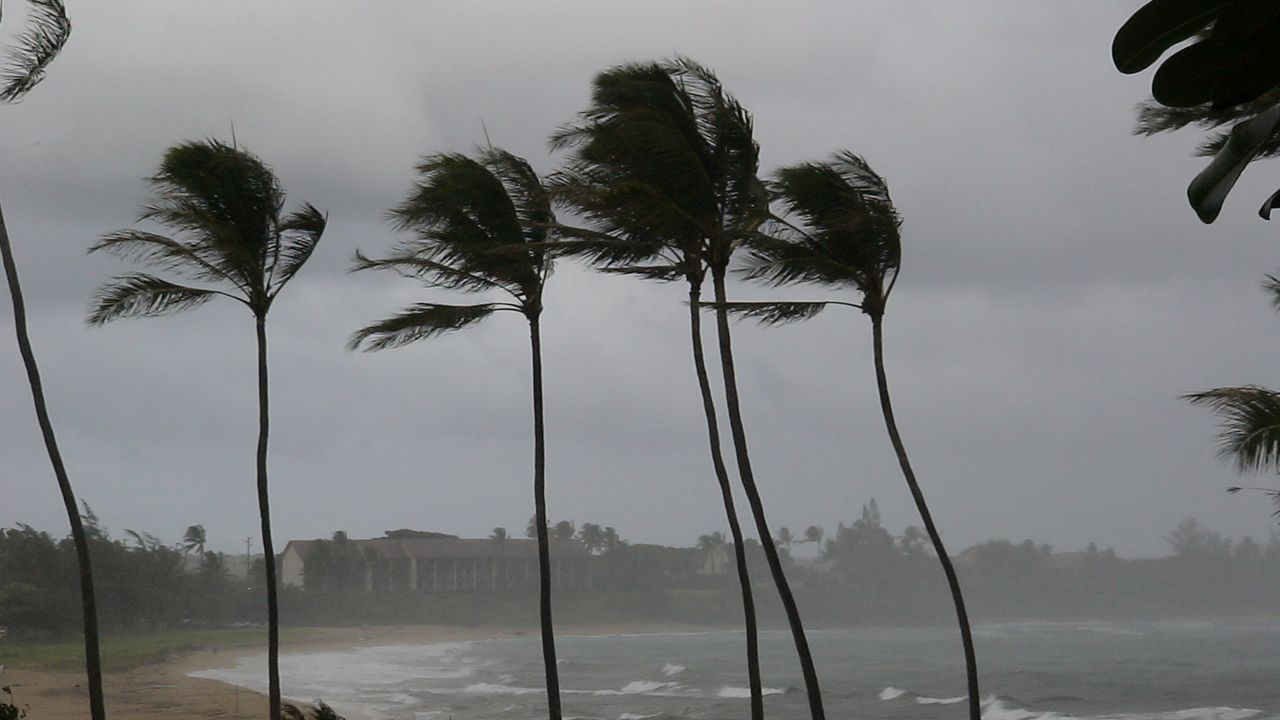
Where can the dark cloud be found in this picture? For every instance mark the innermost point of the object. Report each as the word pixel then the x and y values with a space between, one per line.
pixel 1057 294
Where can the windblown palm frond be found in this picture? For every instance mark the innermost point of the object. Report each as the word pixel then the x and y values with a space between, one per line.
pixel 771 313
pixel 299 234
pixel 419 322
pixel 481 223
pixel 142 295
pixel 846 230
pixel 1250 430
pixel 663 157
pixel 47 31
pixel 1271 283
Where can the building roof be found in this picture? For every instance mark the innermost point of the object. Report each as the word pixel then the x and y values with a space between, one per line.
pixel 437 548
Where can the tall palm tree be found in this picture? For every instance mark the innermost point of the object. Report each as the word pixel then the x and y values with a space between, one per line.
pixel 34 49
pixel 664 165
pixel 846 235
pixel 482 224
pixel 224 205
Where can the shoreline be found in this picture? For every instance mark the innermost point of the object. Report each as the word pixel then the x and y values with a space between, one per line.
pixel 164 690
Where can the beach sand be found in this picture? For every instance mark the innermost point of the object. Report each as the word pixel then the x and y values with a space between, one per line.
pixel 163 690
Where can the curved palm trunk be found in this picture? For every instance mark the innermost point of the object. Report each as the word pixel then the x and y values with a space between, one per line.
pixel 970 657
pixel 92 657
pixel 757 507
pixel 540 516
pixel 726 492
pixel 268 547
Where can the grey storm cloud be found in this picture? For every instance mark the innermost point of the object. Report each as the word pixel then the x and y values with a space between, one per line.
pixel 1057 295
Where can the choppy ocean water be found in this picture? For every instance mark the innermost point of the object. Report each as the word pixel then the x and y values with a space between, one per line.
pixel 1029 671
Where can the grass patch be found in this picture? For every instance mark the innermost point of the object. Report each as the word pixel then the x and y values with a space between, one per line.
pixel 130 650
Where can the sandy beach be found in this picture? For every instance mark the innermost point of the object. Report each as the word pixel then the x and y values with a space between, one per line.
pixel 164 690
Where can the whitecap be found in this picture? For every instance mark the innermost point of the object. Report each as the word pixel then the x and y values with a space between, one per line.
pixel 673 669
pixel 741 692
pixel 495 689
pixel 891 692
pixel 941 701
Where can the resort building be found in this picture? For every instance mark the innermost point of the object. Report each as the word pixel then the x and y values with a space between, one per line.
pixel 432 563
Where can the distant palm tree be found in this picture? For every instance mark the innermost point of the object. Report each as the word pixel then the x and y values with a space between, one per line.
pixel 34 49
pixel 499 535
pixel 611 540
pixel 592 537
pixel 225 205
pixel 848 236
pixel 813 534
pixel 711 540
pixel 563 530
pixel 531 528
pixel 194 539
pixel 664 165
pixel 482 225
pixel 785 538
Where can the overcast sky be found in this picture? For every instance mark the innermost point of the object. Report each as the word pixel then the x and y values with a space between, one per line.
pixel 1057 294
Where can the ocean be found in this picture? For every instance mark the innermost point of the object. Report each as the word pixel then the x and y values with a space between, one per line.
pixel 1028 671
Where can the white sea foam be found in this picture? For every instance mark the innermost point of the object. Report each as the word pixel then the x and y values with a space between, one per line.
pixel 673 669
pixel 995 709
pixel 941 701
pixel 891 693
pixel 741 692
pixel 496 689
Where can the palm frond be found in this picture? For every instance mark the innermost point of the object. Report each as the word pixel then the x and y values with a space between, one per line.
pixel 661 273
pixel 420 322
pixel 142 295
pixel 770 313
pixel 299 234
pixel 1250 428
pixel 1271 284
pixel 167 253
pixel 407 261
pixel 1269 492
pixel 34 49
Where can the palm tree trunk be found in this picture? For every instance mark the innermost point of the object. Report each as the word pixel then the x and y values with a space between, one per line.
pixel 753 497
pixel 966 636
pixel 268 547
pixel 92 657
pixel 726 492
pixel 540 517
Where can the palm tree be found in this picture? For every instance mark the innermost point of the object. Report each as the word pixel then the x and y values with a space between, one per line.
pixel 224 205
pixel 481 224
pixel 194 539
pixel 34 49
pixel 711 540
pixel 499 535
pixel 563 530
pixel 813 534
pixel 664 165
pixel 848 236
pixel 785 538
pixel 592 537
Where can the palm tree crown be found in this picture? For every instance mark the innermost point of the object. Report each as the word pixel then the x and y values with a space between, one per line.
pixel 225 205
pixel 846 234
pixel 664 167
pixel 480 224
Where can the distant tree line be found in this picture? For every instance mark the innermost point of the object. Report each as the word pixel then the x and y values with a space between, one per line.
pixel 863 575
pixel 143 583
